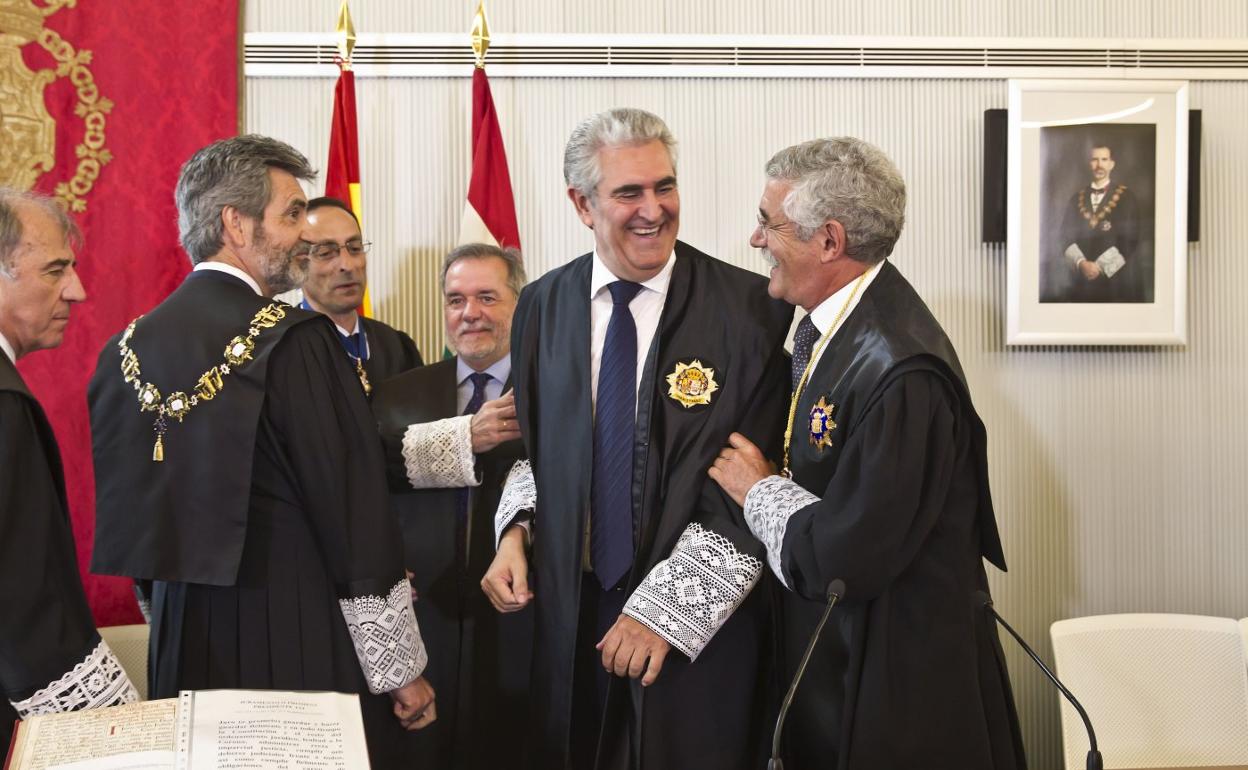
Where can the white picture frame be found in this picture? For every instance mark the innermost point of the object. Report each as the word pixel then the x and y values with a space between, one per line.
pixel 1096 244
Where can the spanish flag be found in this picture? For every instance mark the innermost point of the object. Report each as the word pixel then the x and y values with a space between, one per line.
pixel 490 213
pixel 342 171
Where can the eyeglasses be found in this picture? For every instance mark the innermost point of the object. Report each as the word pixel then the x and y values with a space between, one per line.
pixel 323 252
pixel 766 226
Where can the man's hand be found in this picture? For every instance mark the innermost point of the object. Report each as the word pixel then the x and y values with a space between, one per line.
pixel 494 423
pixel 1091 271
pixel 506 582
pixel 414 704
pixel 628 646
pixel 739 467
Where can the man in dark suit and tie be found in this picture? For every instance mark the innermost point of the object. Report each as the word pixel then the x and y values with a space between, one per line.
pixel 336 279
pixel 451 434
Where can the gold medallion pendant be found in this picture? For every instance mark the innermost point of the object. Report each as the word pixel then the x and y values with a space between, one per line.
pixel 691 384
pixel 821 424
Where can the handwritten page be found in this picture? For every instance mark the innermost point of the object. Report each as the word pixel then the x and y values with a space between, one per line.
pixel 266 730
pixel 137 736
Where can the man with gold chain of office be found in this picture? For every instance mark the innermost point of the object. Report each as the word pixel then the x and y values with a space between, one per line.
pixel 239 468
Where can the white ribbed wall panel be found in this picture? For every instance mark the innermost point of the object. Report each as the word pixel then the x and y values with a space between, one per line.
pixel 980 18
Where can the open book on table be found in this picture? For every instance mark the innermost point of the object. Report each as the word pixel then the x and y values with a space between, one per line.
pixel 259 729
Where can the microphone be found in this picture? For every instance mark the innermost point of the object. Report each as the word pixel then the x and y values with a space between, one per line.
pixel 836 589
pixel 1094 761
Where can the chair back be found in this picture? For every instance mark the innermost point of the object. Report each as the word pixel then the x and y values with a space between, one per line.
pixel 129 644
pixel 1160 690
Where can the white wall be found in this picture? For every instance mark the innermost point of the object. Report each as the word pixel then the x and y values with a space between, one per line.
pixel 1118 473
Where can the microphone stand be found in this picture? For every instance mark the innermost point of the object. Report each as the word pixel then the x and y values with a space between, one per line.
pixel 836 589
pixel 1094 761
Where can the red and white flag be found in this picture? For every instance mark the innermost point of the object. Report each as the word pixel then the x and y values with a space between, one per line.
pixel 490 212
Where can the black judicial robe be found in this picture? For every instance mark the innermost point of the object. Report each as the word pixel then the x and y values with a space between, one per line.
pixel 482 695
pixel 390 351
pixel 709 713
pixel 909 672
pixel 270 505
pixel 46 627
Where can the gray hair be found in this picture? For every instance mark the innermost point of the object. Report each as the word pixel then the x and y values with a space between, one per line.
pixel 230 172
pixel 623 126
pixel 11 230
pixel 511 256
pixel 848 180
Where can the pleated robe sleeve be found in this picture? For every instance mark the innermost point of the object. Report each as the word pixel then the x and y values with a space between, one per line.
pixel 331 448
pixel 888 491
pixel 688 596
pixel 51 658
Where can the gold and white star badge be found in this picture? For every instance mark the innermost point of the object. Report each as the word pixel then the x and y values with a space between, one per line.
pixel 691 384
pixel 821 424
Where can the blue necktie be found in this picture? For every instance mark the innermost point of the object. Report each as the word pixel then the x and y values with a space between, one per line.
pixel 355 345
pixel 803 341
pixel 615 421
pixel 479 380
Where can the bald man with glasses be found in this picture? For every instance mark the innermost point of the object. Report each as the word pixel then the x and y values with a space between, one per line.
pixel 335 283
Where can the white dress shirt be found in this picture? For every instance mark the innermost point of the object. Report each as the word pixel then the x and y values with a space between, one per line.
pixel 499 371
pixel 8 349
pixel 230 270
pixel 646 307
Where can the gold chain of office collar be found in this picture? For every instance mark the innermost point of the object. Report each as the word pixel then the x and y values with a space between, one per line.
pixel 178 404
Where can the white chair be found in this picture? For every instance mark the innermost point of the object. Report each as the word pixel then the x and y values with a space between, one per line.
pixel 1161 690
pixel 129 644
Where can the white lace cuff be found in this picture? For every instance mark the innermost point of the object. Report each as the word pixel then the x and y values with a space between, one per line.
pixel 688 596
pixel 438 454
pixel 386 637
pixel 96 682
pixel 1074 254
pixel 519 494
pixel 768 506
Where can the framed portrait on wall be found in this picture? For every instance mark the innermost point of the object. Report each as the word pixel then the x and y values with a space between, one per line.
pixel 1096 243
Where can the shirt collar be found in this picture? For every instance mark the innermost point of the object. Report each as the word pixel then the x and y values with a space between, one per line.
pixel 825 312
pixel 1101 188
pixel 303 303
pixel 8 348
pixel 499 370
pixel 231 270
pixel 601 276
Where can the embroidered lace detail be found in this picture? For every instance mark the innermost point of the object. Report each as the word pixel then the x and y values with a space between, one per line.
pixel 96 682
pixel 386 637
pixel 439 454
pixel 688 596
pixel 768 506
pixel 519 494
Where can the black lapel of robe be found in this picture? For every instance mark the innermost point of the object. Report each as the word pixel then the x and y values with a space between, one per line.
pixel 551 356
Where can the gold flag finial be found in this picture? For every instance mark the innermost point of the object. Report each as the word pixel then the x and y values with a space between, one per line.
pixel 346 35
pixel 480 34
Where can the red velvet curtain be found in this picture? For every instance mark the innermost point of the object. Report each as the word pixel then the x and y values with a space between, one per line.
pixel 133 88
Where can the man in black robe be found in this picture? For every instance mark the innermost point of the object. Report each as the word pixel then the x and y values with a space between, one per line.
pixel 461 408
pixel 51 657
pixel 238 467
pixel 336 279
pixel 889 489
pixel 632 364
pixel 1100 241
